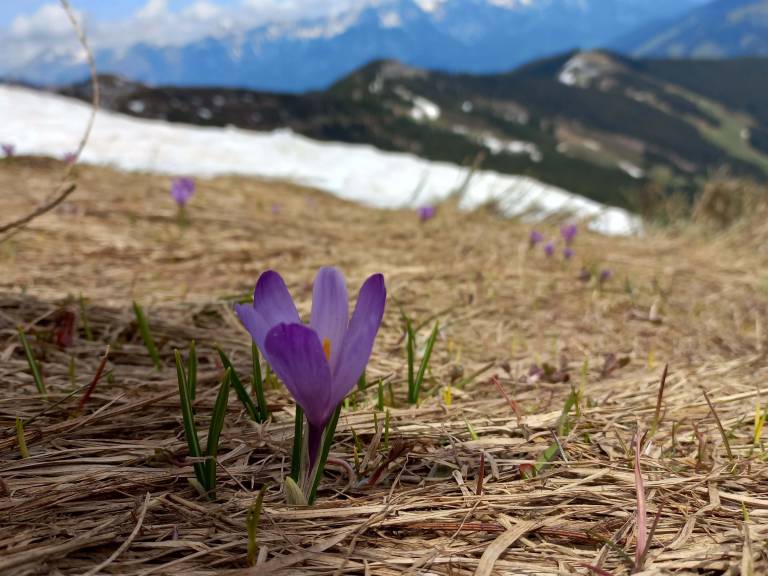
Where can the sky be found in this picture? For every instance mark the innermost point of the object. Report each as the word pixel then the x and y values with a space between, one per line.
pixel 35 29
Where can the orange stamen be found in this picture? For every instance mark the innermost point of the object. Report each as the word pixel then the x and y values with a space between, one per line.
pixel 327 348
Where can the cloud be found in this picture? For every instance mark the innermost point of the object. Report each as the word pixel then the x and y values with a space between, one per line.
pixel 47 33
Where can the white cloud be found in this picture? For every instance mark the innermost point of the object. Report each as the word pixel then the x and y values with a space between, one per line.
pixel 47 32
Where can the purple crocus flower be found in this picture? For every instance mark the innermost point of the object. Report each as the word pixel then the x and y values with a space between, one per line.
pixel 568 253
pixel 549 249
pixel 70 157
pixel 319 363
pixel 605 275
pixel 535 238
pixel 426 213
pixel 568 232
pixel 182 190
pixel 9 150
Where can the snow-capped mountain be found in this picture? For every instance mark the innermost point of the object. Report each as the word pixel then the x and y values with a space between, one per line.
pixel 298 54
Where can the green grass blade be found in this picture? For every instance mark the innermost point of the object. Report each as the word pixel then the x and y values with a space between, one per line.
pixel 298 438
pixel 241 392
pixel 252 525
pixel 361 383
pixel 146 335
pixel 214 431
pixel 33 365
pixel 380 395
pixel 410 345
pixel 190 431
pixel 424 364
pixel 330 432
pixel 192 371
pixel 84 319
pixel 258 384
pixel 564 425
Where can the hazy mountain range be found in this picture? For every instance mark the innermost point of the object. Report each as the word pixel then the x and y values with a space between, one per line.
pixel 722 29
pixel 303 54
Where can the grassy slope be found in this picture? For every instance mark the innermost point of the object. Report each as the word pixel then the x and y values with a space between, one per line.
pixel 694 301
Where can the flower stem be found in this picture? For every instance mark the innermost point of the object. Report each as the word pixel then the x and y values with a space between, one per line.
pixel 330 432
pixel 298 430
pixel 258 385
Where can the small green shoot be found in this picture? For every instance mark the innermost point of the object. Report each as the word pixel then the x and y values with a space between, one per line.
pixel 192 370
pixel 330 432
pixel 471 430
pixel 380 395
pixel 33 365
pixel 415 382
pixel 298 443
pixel 293 493
pixel 361 383
pixel 214 431
pixel 146 335
pixel 188 416
pixel 84 319
pixel 242 393
pixel 21 439
pixel 252 525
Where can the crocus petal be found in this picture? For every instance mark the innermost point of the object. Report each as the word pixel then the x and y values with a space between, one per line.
pixel 358 342
pixel 272 305
pixel 330 310
pixel 252 322
pixel 296 355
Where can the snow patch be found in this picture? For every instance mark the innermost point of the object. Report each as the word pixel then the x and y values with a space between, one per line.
pixel 578 71
pixel 136 106
pixel 47 124
pixel 631 169
pixel 424 109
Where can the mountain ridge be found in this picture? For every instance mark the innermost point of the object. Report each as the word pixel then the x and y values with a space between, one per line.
pixel 599 124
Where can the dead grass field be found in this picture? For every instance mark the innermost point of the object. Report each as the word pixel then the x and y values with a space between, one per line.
pixel 104 490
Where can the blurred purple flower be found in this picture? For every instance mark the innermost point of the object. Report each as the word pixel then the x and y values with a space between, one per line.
pixel 9 150
pixel 182 190
pixel 605 275
pixel 426 213
pixel 568 253
pixel 549 249
pixel 568 232
pixel 69 157
pixel 535 238
pixel 276 208
pixel 319 363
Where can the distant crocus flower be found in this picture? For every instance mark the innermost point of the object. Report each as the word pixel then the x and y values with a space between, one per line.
pixel 69 157
pixel 568 253
pixel 605 275
pixel 426 213
pixel 549 249
pixel 535 238
pixel 568 232
pixel 9 150
pixel 319 363
pixel 182 190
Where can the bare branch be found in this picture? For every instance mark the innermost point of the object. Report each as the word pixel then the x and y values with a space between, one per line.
pixel 65 188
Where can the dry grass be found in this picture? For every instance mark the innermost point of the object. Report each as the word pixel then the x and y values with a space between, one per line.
pixel 105 491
